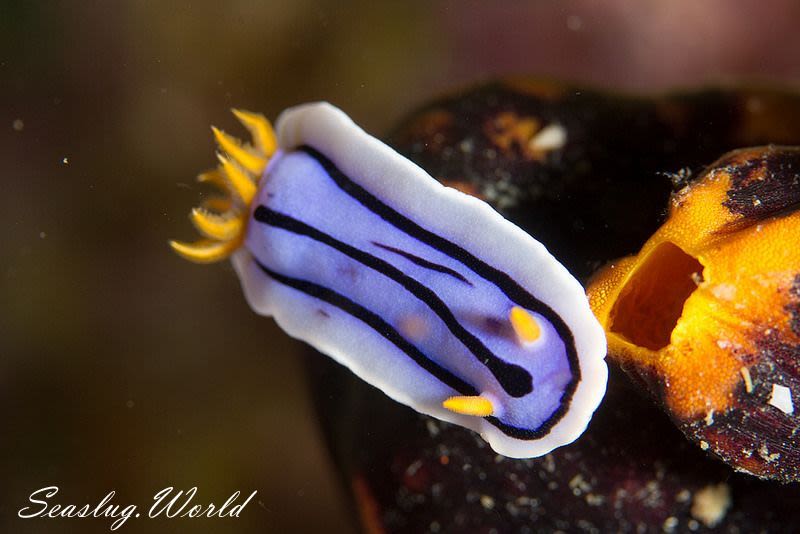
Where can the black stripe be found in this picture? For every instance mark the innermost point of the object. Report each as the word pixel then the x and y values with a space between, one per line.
pixel 515 380
pixel 377 323
pixel 513 290
pixel 422 262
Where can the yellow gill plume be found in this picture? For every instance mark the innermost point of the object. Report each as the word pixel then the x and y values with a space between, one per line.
pixel 222 219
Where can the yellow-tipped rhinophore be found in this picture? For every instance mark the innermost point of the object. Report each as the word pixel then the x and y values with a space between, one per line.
pixel 470 405
pixel 524 324
pixel 261 130
pixel 223 219
pixel 242 155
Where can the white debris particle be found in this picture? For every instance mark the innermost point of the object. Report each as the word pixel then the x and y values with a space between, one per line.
pixel 18 125
pixel 65 160
pixel 723 344
pixel 710 418
pixel 782 399
pixel 433 428
pixel 670 524
pixel 651 494
pixel 704 445
pixel 130 404
pixel 512 509
pixel 748 381
pixel 683 496
pixel 724 291
pixel 594 500
pixel 578 485
pixel 551 137
pixel 711 503
pixel 412 469
pixel 487 502
pixel 42 235
pixel 763 451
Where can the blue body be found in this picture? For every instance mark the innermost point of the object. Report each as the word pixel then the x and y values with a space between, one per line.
pixel 313 232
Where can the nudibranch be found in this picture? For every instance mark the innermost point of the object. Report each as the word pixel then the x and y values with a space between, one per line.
pixel 421 290
pixel 707 315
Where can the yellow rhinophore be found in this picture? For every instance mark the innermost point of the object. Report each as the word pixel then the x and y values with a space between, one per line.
pixel 470 405
pixel 524 324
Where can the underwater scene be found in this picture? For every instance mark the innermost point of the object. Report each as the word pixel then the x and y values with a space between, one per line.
pixel 450 266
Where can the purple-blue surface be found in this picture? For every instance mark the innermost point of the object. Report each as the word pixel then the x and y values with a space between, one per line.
pixel 297 186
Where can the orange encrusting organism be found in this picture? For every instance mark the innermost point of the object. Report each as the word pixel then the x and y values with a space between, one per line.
pixel 689 306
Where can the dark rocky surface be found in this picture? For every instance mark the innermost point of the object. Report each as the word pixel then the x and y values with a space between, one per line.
pixel 594 197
